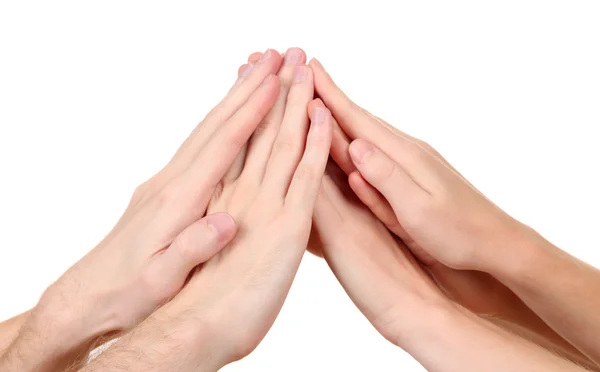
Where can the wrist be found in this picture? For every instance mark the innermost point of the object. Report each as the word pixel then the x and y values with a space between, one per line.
pixel 191 334
pixel 72 321
pixel 418 325
pixel 522 258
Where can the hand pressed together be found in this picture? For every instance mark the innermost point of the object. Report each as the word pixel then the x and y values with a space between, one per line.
pixel 203 258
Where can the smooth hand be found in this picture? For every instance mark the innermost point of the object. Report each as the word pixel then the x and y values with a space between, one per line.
pixel 161 237
pixel 232 300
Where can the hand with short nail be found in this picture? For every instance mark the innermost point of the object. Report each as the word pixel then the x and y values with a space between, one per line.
pixel 162 236
pixel 231 301
pixel 478 254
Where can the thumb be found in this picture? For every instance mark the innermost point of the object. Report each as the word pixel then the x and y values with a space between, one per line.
pixel 196 244
pixel 387 176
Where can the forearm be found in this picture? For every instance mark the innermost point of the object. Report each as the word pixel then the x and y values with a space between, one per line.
pixel 161 343
pixel 9 330
pixel 485 296
pixel 453 339
pixel 562 290
pixel 52 337
pixel 555 344
pixel 43 346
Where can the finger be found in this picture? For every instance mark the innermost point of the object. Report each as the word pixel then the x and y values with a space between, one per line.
pixel 289 144
pixel 358 123
pixel 195 245
pixel 186 197
pixel 261 142
pixel 306 183
pixel 243 89
pixel 389 178
pixel 254 57
pixel 209 167
pixel 339 143
pixel 373 199
pixel 241 69
pixel 238 165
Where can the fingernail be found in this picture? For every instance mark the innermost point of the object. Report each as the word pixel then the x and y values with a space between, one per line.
pixel 300 74
pixel 359 150
pixel 293 56
pixel 223 224
pixel 266 55
pixel 319 115
pixel 247 69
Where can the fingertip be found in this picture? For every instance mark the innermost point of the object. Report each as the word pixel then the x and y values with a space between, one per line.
pixel 274 55
pixel 241 69
pixel 321 117
pixel 316 106
pixel 355 179
pixel 254 57
pixel 294 56
pixel 359 150
pixel 315 63
pixel 223 224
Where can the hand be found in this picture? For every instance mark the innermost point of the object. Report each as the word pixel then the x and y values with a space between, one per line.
pixel 160 238
pixel 440 216
pixel 375 268
pixel 232 300
pixel 401 301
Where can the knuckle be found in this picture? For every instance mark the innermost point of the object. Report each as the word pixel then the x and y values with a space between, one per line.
pixel 388 325
pixel 425 146
pixel 265 124
pixel 236 139
pixel 430 149
pixel 155 286
pixel 190 242
pixel 422 214
pixel 139 193
pixel 305 173
pixel 167 196
pixel 417 150
pixel 298 224
pixel 142 190
pixel 243 346
pixel 283 146
pixel 184 247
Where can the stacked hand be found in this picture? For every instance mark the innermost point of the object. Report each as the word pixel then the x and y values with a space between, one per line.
pixel 195 272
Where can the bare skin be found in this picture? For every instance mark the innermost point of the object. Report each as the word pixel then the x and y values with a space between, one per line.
pixel 162 236
pixel 231 302
pixel 367 224
pixel 447 225
pixel 9 330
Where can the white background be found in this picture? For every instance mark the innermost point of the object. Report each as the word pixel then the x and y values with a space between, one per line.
pixel 96 96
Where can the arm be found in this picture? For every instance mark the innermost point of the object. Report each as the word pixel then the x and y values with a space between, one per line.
pixel 9 329
pixel 393 292
pixel 563 290
pixel 163 342
pixel 161 237
pixel 231 301
pixel 453 339
pixel 446 222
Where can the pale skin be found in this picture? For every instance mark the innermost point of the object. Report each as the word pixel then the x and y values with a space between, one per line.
pixel 478 313
pixel 164 233
pixel 419 196
pixel 231 302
